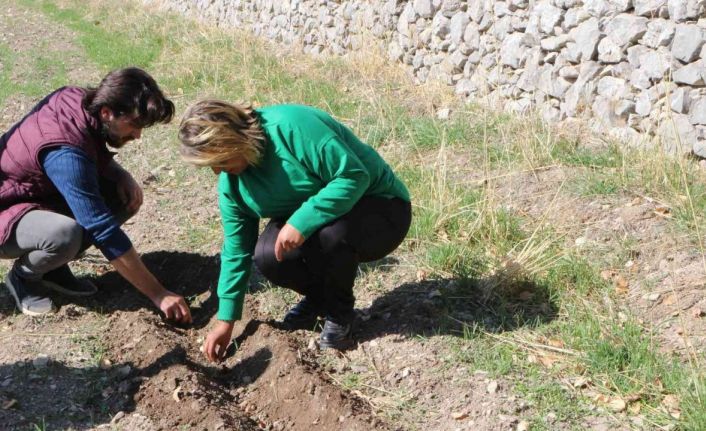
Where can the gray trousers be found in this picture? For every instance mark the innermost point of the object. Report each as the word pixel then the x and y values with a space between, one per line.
pixel 46 240
pixel 42 241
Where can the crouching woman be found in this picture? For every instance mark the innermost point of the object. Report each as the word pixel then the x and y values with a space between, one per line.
pixel 332 202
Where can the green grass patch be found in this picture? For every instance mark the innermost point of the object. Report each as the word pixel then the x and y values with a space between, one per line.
pixel 110 46
pixel 7 59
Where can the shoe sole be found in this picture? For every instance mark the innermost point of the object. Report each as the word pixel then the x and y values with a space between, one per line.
pixel 27 311
pixel 59 288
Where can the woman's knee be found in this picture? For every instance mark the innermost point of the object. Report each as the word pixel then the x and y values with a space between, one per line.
pixel 333 236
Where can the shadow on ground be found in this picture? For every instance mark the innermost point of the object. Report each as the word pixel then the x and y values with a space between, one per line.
pixel 455 307
pixel 57 396
pixel 192 275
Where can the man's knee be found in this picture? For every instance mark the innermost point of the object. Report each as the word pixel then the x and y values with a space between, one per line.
pixel 66 238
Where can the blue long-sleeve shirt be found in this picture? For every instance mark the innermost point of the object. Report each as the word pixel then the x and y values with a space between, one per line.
pixel 75 175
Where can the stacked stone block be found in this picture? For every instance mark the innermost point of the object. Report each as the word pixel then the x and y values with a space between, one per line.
pixel 634 68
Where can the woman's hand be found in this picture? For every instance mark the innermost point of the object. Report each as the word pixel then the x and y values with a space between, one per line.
pixel 217 340
pixel 288 239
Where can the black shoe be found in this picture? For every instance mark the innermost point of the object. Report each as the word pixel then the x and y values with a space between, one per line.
pixel 337 336
pixel 304 315
pixel 63 281
pixel 28 295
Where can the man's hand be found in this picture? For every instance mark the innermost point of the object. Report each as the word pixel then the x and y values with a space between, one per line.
pixel 288 239
pixel 129 191
pixel 217 341
pixel 173 306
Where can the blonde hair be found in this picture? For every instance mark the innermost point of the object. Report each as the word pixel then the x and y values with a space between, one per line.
pixel 213 132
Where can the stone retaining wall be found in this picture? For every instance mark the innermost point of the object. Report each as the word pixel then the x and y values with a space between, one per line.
pixel 636 68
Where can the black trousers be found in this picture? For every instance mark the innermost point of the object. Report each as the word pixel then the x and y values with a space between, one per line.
pixel 325 266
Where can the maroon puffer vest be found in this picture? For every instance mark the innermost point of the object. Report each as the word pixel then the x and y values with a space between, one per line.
pixel 59 119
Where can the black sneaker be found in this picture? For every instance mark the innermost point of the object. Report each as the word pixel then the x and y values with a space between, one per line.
pixel 28 295
pixel 304 315
pixel 63 281
pixel 337 336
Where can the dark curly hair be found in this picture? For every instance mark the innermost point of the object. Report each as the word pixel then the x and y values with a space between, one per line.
pixel 130 91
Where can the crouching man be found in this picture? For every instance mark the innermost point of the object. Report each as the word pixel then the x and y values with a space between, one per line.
pixel 61 190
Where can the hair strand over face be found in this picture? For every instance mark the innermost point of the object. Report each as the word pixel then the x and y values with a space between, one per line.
pixel 213 133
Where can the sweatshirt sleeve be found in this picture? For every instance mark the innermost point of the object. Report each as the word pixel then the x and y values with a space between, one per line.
pixel 239 238
pixel 75 175
pixel 346 179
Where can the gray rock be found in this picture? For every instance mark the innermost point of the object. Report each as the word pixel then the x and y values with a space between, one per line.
pixel 655 64
pixel 550 57
pixel 691 74
pixel 474 58
pixel 41 362
pixel 700 146
pixel 569 73
pixel 464 49
pixel 514 5
pixel 418 60
pixel 660 32
pixel 677 135
pixel 554 43
pixel 639 79
pixel 624 108
pixel 465 87
pixel 486 22
pixel 450 7
pixel 408 14
pixel 581 91
pixel 549 17
pixel 679 100
pixel 394 51
pixel 602 108
pixel 682 10
pixel 601 8
pixel 688 40
pixel 440 26
pixel 626 29
pixel 514 48
pixel 611 87
pixel 643 104
pixel 471 36
pixel 574 17
pixel 477 9
pixel 586 35
pixel 635 53
pixel 650 8
pixel 519 106
pixel 567 4
pixel 502 28
pixel 457 60
pixel 424 8
pixel 559 87
pixel 621 70
pixel 528 80
pixel 697 111
pixel 609 51
pixel 518 23
pixel 500 9
pixel 457 26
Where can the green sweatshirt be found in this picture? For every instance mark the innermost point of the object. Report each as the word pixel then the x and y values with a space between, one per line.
pixel 312 171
